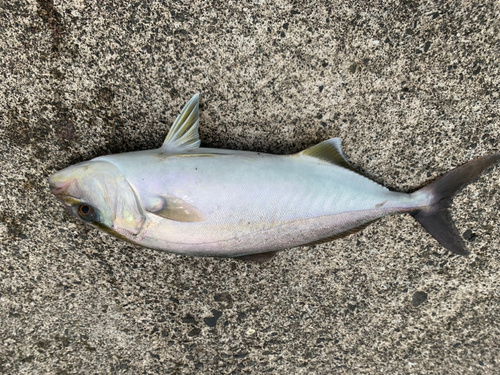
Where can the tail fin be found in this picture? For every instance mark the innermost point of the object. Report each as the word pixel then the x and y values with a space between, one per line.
pixel 436 217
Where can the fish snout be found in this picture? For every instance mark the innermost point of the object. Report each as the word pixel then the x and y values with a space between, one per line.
pixel 58 184
pixel 58 188
pixel 63 185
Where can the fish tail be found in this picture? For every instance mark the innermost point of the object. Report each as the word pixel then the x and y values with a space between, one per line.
pixel 436 216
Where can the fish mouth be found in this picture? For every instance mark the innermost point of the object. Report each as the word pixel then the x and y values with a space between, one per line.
pixel 64 191
pixel 58 190
pixel 57 184
pixel 64 186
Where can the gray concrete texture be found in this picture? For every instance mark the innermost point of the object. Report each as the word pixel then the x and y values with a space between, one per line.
pixel 412 88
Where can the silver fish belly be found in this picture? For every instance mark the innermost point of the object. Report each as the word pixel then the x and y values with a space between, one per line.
pixel 209 202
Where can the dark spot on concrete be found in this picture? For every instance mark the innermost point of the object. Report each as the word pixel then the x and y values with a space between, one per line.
pixel 13 314
pixel 226 298
pixel 15 225
pixel 155 356
pixel 174 300
pixel 174 93
pixel 20 132
pixel 352 68
pixel 324 64
pixel 43 345
pixel 57 74
pixel 189 319
pixel 470 236
pixel 426 46
pixel 241 316
pixel 467 234
pixel 62 339
pixel 212 322
pixel 320 88
pixel 285 25
pixel 282 34
pixel 476 71
pixel 241 355
pixel 194 332
pixel 106 95
pixel 27 359
pixel 65 130
pixel 49 14
pixel 418 298
pixel 418 51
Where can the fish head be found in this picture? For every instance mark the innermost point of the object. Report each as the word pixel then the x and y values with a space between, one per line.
pixel 98 193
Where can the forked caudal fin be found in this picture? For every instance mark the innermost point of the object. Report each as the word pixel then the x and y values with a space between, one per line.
pixel 436 217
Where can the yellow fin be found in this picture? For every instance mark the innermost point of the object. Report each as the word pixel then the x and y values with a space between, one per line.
pixel 176 209
pixel 183 134
pixel 329 151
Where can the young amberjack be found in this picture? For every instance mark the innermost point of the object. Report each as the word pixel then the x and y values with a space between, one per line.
pixel 210 202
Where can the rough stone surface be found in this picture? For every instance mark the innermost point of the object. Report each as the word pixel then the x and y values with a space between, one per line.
pixel 412 88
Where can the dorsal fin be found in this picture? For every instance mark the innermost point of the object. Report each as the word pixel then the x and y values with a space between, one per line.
pixel 183 134
pixel 329 151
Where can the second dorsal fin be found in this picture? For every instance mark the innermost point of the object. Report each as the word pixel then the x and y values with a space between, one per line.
pixel 329 151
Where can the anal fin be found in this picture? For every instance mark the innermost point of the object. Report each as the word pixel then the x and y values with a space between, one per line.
pixel 340 235
pixel 260 257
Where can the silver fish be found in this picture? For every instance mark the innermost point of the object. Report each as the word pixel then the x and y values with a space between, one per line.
pixel 211 202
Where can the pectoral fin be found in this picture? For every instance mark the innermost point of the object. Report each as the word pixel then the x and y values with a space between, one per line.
pixel 173 208
pixel 183 134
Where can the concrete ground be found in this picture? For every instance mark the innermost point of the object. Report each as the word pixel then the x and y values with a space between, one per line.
pixel 412 88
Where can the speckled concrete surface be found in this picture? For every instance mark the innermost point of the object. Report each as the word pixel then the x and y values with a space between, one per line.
pixel 411 87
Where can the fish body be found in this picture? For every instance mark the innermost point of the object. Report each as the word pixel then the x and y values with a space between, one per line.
pixel 210 202
pixel 252 202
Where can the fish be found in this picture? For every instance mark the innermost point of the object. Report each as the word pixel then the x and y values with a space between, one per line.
pixel 190 200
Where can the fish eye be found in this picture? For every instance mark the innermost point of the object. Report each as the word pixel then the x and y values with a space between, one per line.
pixel 86 212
